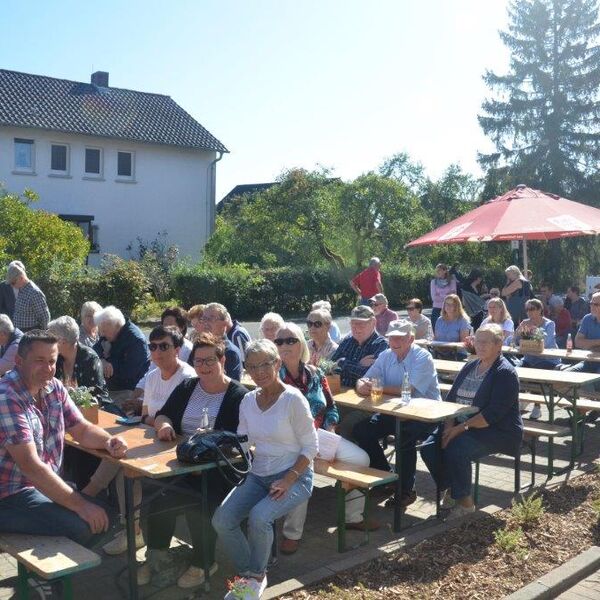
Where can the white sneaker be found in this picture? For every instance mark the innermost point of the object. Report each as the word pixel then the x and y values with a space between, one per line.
pixel 460 511
pixel 118 544
pixel 194 576
pixel 536 413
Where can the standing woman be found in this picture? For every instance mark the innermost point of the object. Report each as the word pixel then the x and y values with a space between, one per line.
pixel 277 420
pixel 442 285
pixel 517 291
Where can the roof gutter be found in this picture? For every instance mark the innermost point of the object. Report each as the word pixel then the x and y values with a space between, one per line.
pixel 211 192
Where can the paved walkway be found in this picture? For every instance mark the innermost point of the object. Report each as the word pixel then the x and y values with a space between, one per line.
pixel 588 589
pixel 317 556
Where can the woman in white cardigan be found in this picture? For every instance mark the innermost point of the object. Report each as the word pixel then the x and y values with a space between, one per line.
pixel 278 422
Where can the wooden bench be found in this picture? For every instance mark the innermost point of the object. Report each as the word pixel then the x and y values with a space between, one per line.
pixel 350 477
pixel 49 557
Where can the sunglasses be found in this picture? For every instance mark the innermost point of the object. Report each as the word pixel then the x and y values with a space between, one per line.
pixel 317 324
pixel 290 341
pixel 163 346
pixel 411 308
pixel 209 362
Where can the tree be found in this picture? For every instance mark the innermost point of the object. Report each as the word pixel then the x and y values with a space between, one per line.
pixel 545 118
pixel 38 238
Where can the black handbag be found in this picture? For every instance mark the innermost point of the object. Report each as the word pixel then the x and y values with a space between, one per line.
pixel 217 446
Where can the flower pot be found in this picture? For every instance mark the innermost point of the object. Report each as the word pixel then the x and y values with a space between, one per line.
pixel 531 346
pixel 90 414
pixel 335 384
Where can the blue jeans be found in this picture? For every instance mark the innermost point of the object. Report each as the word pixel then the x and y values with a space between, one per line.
pixel 587 367
pixel 252 500
pixel 29 511
pixel 368 432
pixel 435 315
pixel 460 452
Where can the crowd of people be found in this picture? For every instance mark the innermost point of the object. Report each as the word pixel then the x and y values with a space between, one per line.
pixel 190 368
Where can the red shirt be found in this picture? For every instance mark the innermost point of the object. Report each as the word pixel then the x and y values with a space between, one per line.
pixel 367 281
pixel 563 322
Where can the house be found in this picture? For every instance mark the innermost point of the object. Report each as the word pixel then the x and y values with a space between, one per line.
pixel 243 191
pixel 120 164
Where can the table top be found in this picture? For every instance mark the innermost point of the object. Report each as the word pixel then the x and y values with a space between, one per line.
pixel 147 456
pixel 419 409
pixel 549 376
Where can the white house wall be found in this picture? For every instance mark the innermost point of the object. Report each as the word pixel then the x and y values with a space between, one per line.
pixel 170 189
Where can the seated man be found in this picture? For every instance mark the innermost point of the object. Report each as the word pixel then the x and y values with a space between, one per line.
pixel 383 314
pixel 123 350
pixel 238 336
pixel 215 319
pixel 36 412
pixel 402 356
pixel 577 307
pixel 588 338
pixel 9 342
pixel 358 351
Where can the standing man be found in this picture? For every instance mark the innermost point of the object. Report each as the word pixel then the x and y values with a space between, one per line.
pixel 383 315
pixel 35 414
pixel 31 308
pixel 368 282
pixel 403 356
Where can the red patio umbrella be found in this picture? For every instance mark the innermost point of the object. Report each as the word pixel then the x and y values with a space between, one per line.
pixel 520 214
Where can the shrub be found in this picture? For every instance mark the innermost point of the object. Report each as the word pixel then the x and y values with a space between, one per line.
pixel 528 511
pixel 510 540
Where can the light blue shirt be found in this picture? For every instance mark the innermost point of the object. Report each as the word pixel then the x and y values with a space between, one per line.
pixel 421 371
pixel 549 328
pixel 590 327
pixel 449 331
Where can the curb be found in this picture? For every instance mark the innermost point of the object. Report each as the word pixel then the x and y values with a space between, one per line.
pixel 562 578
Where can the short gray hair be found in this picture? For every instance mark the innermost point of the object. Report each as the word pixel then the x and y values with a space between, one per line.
pixel 495 330
pixel 111 315
pixel 293 328
pixel 263 346
pixel 89 308
pixel 65 328
pixel 272 317
pixel 321 304
pixel 15 269
pixel 323 314
pixel 6 325
pixel 374 261
pixel 220 308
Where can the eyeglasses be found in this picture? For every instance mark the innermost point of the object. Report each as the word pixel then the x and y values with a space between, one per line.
pixel 163 346
pixel 411 308
pixel 531 309
pixel 210 319
pixel 290 341
pixel 317 324
pixel 260 367
pixel 209 362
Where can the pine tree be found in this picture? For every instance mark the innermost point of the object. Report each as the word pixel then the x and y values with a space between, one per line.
pixel 545 117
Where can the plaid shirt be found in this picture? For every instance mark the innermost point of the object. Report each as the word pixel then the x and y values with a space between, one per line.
pixel 21 422
pixel 31 309
pixel 351 353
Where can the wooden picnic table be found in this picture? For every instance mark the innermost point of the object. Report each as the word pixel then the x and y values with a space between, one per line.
pixel 149 457
pixel 424 410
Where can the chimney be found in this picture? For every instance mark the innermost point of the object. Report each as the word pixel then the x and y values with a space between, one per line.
pixel 100 78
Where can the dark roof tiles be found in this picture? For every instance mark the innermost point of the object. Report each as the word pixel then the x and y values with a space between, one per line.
pixel 71 106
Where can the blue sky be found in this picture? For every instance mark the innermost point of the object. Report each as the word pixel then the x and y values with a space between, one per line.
pixel 282 83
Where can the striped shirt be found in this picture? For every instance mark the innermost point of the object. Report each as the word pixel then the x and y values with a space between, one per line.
pixel 351 352
pixel 31 308
pixel 468 389
pixel 192 417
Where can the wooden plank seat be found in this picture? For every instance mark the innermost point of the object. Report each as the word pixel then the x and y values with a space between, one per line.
pixel 349 477
pixel 49 557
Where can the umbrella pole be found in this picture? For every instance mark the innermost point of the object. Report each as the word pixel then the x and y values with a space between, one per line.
pixel 525 261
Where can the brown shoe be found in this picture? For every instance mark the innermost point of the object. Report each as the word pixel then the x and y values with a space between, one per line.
pixel 289 546
pixel 365 525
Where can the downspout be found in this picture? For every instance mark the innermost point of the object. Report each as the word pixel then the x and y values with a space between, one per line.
pixel 211 183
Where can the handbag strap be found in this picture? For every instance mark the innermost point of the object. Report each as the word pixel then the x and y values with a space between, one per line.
pixel 239 475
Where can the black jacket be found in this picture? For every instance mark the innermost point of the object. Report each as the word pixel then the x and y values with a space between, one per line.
pixel 7 300
pixel 87 370
pixel 229 414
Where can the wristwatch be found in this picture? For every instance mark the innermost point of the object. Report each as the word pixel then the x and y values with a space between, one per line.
pixel 465 427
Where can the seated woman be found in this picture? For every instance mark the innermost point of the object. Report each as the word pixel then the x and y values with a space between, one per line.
pixel 334 330
pixel 498 313
pixel 88 330
pixel 489 383
pixel 320 346
pixel 174 316
pixel 182 415
pixel 295 371
pixel 277 420
pixel 194 316
pixel 270 325
pixel 452 326
pixel 423 329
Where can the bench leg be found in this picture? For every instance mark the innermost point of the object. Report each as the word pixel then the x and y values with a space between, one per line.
pixel 341 516
pixel 67 588
pixel 22 584
pixel 517 474
pixel 533 456
pixel 366 514
pixel 476 485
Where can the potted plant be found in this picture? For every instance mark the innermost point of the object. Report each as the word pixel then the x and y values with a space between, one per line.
pixel 331 370
pixel 86 402
pixel 531 339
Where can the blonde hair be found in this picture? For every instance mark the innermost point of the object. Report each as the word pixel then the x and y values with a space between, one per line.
pixel 297 333
pixel 503 310
pixel 514 270
pixel 459 308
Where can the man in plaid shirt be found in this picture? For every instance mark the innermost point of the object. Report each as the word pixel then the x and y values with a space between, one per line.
pixel 31 308
pixel 35 413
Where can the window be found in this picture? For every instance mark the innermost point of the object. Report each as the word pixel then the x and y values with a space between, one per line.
pixel 24 155
pixel 125 164
pixel 59 159
pixel 93 161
